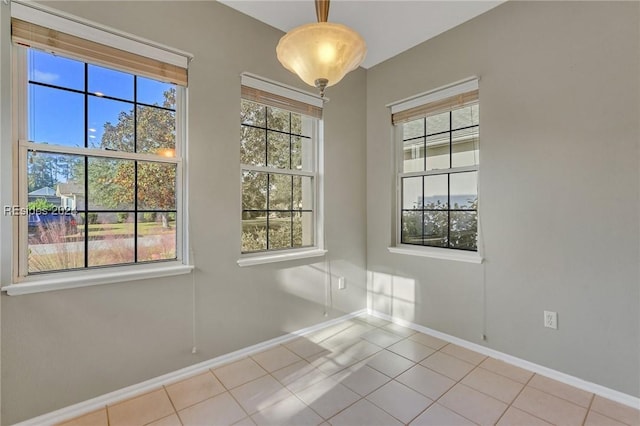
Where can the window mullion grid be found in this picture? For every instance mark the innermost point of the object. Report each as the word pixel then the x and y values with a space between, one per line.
pixel 448 210
pixel 424 145
pixel 449 179
pixel 135 169
pixel 290 167
pixel 86 167
pixel 266 163
pixel 423 212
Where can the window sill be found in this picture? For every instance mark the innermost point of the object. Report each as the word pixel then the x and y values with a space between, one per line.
pixel 75 279
pixel 262 258
pixel 438 253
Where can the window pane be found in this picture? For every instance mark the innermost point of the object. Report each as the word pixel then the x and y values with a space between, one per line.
pixel 413 129
pixel 55 70
pixel 55 116
pixel 280 192
pixel 296 124
pixel 279 230
pixel 56 192
pixel 301 153
pixel 54 242
pixel 435 228
pixel 54 178
pixel 153 92
pixel 254 231
pixel 110 124
pixel 252 113
pixel 252 146
pixel 412 193
pixel 110 239
pixel 465 148
pixel 156 131
pixel 111 184
pixel 301 125
pixel 436 192
pixel 254 190
pixel 303 229
pixel 438 152
pixel 464 190
pixel 464 230
pixel 438 123
pixel 412 227
pixel 413 155
pixel 108 82
pixel 302 193
pixel 156 236
pixel 156 186
pixel 278 119
pixel 278 155
pixel 464 117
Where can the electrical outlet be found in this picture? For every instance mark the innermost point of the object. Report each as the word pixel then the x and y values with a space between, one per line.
pixel 551 319
pixel 342 284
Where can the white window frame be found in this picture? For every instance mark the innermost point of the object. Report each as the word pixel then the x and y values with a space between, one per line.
pixel 317 137
pixel 397 246
pixel 23 283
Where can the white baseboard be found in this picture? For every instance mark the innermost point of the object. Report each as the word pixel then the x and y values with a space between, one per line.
pixel 99 402
pixel 602 391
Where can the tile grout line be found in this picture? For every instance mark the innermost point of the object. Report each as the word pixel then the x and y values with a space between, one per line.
pixel 164 387
pixel 360 398
pixel 559 397
pixel 456 383
pixel 590 409
pixel 593 397
pixel 519 393
pixel 228 390
pixel 175 410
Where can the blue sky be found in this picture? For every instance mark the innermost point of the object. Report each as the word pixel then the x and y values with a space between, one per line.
pixel 57 116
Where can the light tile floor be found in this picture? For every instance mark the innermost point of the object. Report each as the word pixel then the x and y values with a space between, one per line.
pixel 365 372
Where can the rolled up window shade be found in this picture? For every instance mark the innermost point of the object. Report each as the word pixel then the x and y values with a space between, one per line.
pixel 36 36
pixel 278 101
pixel 435 107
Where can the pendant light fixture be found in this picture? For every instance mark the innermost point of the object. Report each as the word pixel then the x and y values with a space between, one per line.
pixel 321 53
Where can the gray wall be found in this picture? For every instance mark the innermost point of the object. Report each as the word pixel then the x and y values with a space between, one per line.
pixel 559 191
pixel 62 347
pixel 559 187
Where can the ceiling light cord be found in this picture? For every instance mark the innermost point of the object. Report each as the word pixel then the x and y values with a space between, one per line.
pixel 328 277
pixel 481 249
pixel 194 336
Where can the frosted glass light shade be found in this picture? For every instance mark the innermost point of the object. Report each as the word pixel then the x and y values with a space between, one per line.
pixel 321 50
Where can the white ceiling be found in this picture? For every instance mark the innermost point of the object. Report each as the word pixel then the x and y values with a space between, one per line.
pixel 388 26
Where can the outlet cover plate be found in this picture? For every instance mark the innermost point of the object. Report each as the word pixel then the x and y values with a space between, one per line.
pixel 551 319
pixel 342 284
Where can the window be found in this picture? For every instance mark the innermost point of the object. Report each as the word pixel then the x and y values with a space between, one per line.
pixel 279 158
pixel 438 157
pixel 99 174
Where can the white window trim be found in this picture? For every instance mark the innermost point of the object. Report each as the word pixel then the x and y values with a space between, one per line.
pixel 453 89
pixel 397 246
pixel 92 31
pixel 20 282
pixel 91 277
pixel 271 86
pixel 437 253
pixel 280 256
pixel 317 250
